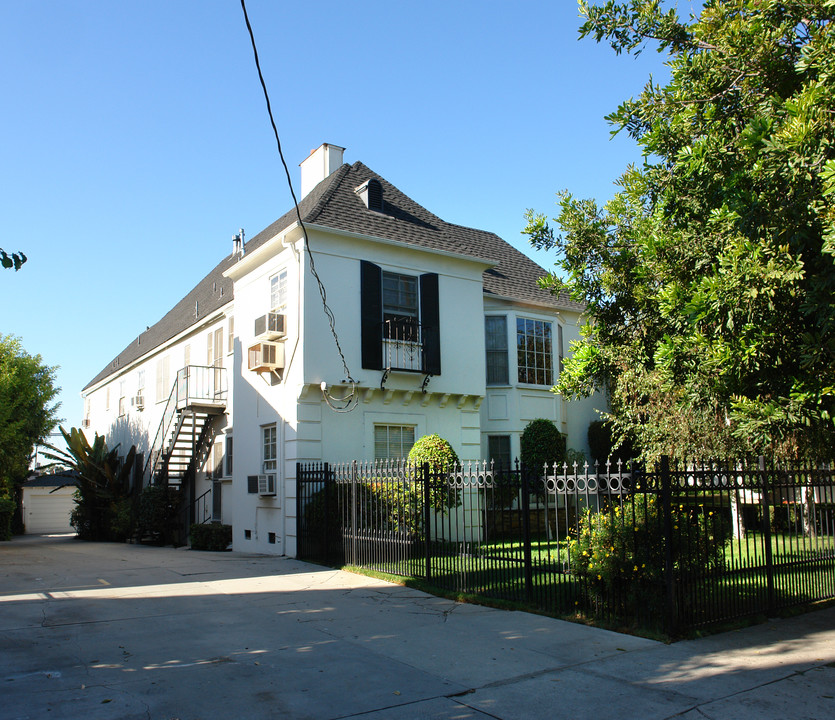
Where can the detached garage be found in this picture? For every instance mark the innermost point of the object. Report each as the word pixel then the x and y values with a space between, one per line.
pixel 47 504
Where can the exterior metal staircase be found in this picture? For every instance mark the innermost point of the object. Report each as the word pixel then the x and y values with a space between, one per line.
pixel 187 429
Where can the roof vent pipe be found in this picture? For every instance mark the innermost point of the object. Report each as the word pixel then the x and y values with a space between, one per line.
pixel 238 243
pixel 319 164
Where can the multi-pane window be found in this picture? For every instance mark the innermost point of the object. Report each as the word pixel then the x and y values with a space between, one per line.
pixel 498 450
pixel 495 340
pixel 393 442
pixel 278 290
pixel 400 305
pixel 268 434
pixel 231 335
pixel 533 351
pixel 140 382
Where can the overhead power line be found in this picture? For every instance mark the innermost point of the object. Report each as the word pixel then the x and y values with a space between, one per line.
pixel 349 401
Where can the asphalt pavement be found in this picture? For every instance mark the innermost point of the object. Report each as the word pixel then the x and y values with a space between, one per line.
pixel 103 630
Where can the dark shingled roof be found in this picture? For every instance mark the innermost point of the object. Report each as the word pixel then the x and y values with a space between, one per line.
pixel 59 479
pixel 333 203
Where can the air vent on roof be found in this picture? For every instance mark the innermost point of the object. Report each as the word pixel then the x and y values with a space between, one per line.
pixel 371 193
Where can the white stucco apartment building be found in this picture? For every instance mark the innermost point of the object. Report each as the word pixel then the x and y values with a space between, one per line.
pixel 442 328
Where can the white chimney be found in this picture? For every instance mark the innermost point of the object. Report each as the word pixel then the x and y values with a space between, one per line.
pixel 319 164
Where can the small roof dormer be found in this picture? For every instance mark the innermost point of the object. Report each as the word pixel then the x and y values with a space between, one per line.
pixel 371 193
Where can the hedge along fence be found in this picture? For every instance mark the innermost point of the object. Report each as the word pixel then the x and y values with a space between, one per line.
pixel 670 548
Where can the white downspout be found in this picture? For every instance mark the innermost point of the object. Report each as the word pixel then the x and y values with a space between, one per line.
pixel 297 256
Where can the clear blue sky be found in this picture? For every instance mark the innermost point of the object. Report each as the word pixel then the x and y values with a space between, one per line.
pixel 135 140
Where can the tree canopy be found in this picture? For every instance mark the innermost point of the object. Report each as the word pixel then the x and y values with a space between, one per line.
pixel 709 277
pixel 27 412
pixel 14 260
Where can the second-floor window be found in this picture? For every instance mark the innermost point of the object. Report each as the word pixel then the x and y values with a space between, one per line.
pixel 495 342
pixel 214 348
pixel 278 290
pixel 163 380
pixel 400 306
pixel 400 320
pixel 534 351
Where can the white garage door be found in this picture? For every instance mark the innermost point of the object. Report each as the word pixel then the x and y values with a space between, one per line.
pixel 49 513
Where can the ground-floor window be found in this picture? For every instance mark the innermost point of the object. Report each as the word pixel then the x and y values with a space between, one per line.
pixel 217 500
pixel 229 448
pixel 393 442
pixel 498 450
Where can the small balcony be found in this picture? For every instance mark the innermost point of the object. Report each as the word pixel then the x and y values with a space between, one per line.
pixel 405 342
pixel 201 386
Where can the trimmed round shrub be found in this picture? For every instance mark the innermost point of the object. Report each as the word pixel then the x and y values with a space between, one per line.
pixel 441 457
pixel 541 443
pixel 436 451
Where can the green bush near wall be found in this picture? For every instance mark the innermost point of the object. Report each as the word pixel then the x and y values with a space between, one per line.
pixel 541 444
pixel 210 536
pixel 7 508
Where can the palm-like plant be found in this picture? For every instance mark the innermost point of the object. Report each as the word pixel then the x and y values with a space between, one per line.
pixel 103 485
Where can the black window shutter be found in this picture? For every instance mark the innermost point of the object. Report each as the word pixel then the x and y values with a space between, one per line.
pixel 430 320
pixel 371 315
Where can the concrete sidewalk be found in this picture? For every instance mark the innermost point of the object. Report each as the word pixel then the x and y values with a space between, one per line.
pixel 92 630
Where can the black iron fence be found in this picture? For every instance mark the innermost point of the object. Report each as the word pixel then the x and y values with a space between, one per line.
pixel 674 547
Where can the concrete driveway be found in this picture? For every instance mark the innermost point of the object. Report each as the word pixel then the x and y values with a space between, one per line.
pixel 91 630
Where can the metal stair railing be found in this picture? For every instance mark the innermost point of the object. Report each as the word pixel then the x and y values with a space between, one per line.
pixel 157 446
pixel 195 385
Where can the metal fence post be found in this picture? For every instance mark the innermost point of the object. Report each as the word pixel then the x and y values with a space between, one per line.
pixel 427 540
pixel 299 524
pixel 326 475
pixel 526 535
pixel 354 480
pixel 769 560
pixel 669 579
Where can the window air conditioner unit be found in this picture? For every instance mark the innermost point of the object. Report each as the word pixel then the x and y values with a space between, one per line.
pixel 139 402
pixel 271 326
pixel 265 356
pixel 266 484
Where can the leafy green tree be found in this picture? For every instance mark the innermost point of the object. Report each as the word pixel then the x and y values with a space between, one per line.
pixel 103 507
pixel 27 412
pixel 15 260
pixel 709 277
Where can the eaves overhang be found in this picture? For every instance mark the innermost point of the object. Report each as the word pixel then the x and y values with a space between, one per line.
pixel 485 262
